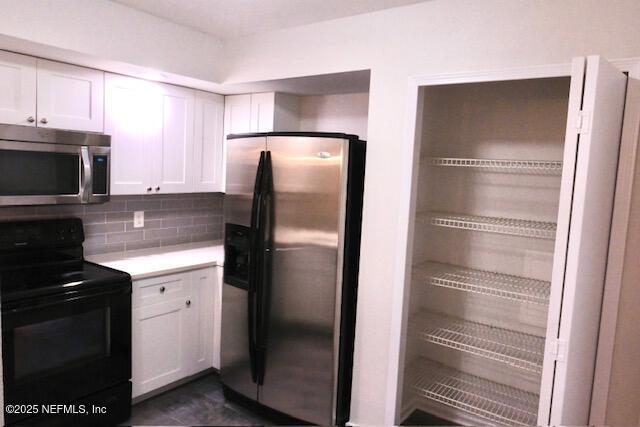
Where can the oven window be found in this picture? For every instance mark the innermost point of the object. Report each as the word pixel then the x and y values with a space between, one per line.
pixel 58 344
pixel 28 173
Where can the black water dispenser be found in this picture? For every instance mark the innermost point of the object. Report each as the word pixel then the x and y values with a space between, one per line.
pixel 236 249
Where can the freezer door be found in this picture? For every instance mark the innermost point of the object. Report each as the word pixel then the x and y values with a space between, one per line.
pixel 309 181
pixel 242 164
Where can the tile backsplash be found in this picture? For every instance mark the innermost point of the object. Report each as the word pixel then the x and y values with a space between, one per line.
pixel 169 219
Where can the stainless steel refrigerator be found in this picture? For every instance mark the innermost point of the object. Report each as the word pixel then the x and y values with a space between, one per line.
pixel 292 240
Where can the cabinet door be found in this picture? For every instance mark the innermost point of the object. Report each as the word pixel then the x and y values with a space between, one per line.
pixel 17 89
pixel 262 111
pixel 208 160
pixel 174 153
pixel 202 319
pixel 237 114
pixel 70 97
pixel 132 116
pixel 161 345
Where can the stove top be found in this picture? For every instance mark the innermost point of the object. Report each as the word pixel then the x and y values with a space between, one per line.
pixel 45 257
pixel 32 282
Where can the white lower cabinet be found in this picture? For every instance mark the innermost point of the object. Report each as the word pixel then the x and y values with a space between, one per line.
pixel 160 345
pixel 173 327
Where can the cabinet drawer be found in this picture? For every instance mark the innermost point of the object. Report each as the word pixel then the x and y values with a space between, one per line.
pixel 160 289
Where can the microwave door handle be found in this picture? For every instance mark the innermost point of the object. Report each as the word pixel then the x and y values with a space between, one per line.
pixel 85 175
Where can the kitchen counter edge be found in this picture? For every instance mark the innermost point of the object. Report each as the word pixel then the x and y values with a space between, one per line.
pixel 147 263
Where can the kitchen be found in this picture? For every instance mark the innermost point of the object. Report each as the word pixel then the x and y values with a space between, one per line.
pixel 168 108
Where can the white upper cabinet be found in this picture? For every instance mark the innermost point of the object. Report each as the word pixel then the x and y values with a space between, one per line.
pixel 262 112
pixel 70 97
pixel 173 172
pixel 164 138
pixel 132 111
pixel 208 159
pixel 237 114
pixel 17 89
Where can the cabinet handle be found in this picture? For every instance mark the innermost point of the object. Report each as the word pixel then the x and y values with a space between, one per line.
pixel 157 188
pixel 44 121
pixel 188 303
pixel 162 289
pixel 148 188
pixel 30 119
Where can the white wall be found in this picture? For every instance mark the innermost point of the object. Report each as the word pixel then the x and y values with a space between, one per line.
pixel 346 113
pixel 104 34
pixel 433 37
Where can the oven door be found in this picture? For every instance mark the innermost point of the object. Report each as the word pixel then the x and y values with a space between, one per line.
pixel 56 351
pixel 36 173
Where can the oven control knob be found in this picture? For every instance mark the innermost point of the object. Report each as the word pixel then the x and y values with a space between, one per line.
pixel 188 303
pixel 162 289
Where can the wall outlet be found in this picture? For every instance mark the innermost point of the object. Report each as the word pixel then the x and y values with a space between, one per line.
pixel 138 219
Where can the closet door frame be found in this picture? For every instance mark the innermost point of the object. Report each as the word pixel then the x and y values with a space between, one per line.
pixel 411 147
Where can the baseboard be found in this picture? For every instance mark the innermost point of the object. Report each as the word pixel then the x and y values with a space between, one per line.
pixel 173 385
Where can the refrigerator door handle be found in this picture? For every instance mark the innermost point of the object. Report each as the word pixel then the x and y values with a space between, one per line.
pixel 254 266
pixel 263 291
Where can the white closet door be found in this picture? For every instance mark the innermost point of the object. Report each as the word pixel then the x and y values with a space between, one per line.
pixel 17 89
pixel 208 159
pixel 592 140
pixel 70 97
pixel 132 118
pixel 173 171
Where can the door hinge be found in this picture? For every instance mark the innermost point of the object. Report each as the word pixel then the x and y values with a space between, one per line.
pixel 582 121
pixel 558 350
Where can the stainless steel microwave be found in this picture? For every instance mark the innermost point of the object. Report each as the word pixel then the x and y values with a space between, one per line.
pixel 49 166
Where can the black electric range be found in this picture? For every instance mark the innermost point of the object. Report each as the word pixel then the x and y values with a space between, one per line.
pixel 66 328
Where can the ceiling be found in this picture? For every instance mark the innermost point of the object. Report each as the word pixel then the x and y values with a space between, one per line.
pixel 323 84
pixel 227 19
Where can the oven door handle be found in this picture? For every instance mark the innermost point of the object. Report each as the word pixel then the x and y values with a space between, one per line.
pixel 86 175
pixel 30 305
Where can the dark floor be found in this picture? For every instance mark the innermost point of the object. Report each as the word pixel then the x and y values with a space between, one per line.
pixel 419 418
pixel 198 403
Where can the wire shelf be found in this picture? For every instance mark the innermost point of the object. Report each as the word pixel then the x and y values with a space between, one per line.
pixel 486 399
pixel 511 226
pixel 517 349
pixel 532 167
pixel 484 282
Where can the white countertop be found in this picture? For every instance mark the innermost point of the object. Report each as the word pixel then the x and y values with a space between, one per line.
pixel 160 261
